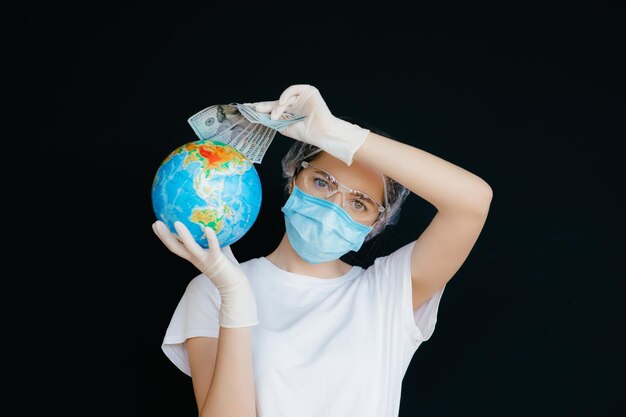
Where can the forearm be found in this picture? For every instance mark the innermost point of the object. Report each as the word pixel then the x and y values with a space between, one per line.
pixel 231 392
pixel 441 183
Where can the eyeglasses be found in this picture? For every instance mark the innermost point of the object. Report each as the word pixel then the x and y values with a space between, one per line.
pixel 320 183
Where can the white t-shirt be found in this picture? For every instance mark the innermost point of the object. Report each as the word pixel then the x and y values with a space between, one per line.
pixel 331 347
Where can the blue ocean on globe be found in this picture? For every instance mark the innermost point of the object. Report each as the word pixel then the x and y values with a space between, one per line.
pixel 208 183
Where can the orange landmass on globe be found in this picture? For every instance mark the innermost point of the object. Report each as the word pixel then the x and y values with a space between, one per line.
pixel 207 217
pixel 211 155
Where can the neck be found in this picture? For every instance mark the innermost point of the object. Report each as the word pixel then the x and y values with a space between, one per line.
pixel 286 258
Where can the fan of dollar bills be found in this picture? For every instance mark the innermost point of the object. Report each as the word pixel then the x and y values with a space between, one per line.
pixel 240 126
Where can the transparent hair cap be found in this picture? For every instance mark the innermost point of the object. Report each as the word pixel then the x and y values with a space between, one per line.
pixel 394 192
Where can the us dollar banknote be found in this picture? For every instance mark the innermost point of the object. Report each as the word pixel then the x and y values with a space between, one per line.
pixel 240 126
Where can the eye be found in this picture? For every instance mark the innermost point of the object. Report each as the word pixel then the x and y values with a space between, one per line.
pixel 359 205
pixel 320 183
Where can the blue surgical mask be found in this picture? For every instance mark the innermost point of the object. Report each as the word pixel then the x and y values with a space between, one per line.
pixel 320 230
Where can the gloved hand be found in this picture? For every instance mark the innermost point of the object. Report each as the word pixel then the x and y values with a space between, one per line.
pixel 339 138
pixel 238 305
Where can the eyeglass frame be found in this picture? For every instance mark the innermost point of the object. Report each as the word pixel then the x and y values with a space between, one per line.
pixel 340 186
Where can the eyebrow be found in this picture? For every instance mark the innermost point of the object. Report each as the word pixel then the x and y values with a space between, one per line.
pixel 319 171
pixel 359 192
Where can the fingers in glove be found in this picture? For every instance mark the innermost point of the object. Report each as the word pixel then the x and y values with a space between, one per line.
pixel 294 90
pixel 304 90
pixel 214 244
pixel 188 241
pixel 279 109
pixel 169 240
pixel 264 106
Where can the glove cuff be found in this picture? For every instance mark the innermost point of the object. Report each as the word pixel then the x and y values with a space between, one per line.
pixel 238 306
pixel 343 139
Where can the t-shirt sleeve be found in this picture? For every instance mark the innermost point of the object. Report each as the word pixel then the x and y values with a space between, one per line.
pixel 392 275
pixel 197 314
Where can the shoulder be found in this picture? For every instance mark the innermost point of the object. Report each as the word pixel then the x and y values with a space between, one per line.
pixel 201 286
pixel 200 281
pixel 395 258
pixel 391 269
pixel 203 283
pixel 250 264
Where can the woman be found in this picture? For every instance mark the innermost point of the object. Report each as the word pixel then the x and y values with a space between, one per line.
pixel 299 332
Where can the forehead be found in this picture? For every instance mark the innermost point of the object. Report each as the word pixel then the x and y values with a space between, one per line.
pixel 356 176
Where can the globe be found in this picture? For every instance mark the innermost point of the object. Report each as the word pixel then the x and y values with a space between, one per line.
pixel 207 183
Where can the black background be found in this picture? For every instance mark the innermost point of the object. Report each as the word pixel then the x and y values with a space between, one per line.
pixel 528 96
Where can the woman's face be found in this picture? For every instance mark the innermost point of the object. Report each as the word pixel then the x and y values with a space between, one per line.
pixel 357 176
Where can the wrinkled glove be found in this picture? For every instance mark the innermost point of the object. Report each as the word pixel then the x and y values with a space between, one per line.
pixel 238 305
pixel 339 138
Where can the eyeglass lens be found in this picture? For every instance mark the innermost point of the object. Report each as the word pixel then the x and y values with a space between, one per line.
pixel 357 204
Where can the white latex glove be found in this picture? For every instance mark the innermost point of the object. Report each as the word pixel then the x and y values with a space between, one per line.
pixel 238 305
pixel 339 138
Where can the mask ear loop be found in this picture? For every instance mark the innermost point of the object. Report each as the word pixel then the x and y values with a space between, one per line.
pixel 292 182
pixel 385 201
